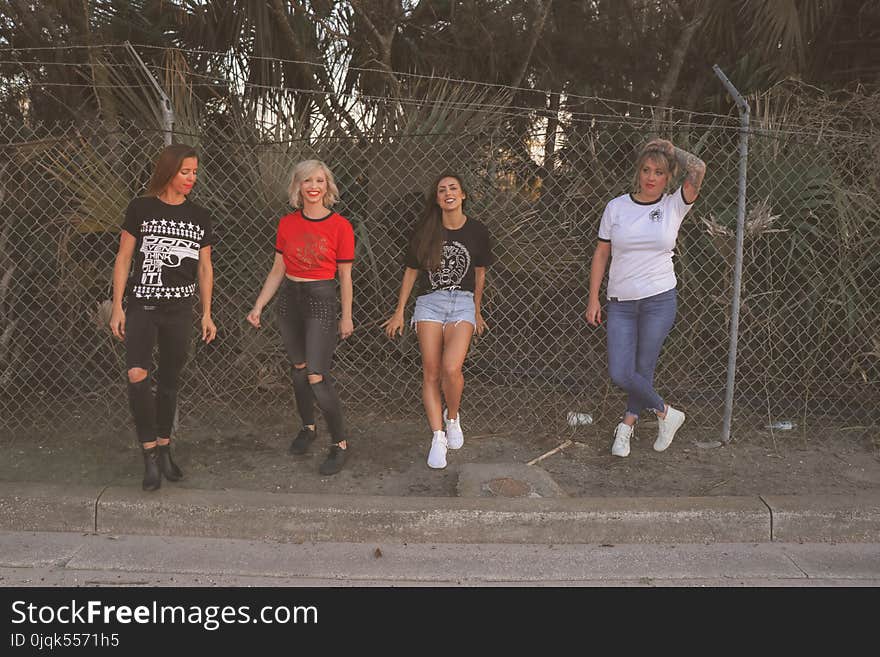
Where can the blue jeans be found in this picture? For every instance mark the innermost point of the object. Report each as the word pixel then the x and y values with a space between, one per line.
pixel 636 332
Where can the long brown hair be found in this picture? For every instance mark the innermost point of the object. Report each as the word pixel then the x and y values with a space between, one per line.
pixel 427 241
pixel 167 165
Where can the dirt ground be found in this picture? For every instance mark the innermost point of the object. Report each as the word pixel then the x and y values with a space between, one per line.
pixel 388 458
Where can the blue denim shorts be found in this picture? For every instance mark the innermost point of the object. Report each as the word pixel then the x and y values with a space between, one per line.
pixel 446 307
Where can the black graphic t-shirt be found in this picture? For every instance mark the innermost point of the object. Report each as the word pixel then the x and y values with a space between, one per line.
pixel 166 256
pixel 463 249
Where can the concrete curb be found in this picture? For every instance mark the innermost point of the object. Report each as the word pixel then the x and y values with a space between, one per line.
pixel 302 518
pixel 822 518
pixel 340 518
pixel 26 506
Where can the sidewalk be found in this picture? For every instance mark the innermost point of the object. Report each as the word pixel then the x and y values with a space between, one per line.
pixel 67 559
pixel 300 518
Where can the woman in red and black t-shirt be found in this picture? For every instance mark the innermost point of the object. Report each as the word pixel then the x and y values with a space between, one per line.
pixel 312 245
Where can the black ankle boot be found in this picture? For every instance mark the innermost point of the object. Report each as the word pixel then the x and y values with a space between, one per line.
pixel 152 476
pixel 169 468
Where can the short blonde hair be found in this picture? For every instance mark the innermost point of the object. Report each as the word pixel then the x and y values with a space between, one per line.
pixel 300 172
pixel 655 154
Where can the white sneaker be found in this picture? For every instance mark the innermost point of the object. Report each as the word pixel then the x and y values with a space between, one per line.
pixel 667 427
pixel 622 434
pixel 437 455
pixel 454 436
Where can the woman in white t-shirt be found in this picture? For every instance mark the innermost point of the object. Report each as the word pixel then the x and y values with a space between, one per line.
pixel 638 233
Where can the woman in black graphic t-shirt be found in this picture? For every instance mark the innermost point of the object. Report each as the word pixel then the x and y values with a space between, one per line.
pixel 451 252
pixel 169 238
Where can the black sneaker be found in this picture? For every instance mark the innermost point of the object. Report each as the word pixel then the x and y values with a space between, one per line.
pixel 302 441
pixel 334 461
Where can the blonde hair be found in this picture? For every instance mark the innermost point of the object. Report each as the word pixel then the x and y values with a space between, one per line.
pixel 656 154
pixel 300 172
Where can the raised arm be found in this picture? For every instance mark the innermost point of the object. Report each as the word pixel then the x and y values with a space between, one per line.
pixel 695 170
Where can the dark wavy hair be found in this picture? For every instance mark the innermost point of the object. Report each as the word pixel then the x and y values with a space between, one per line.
pixel 427 240
pixel 167 165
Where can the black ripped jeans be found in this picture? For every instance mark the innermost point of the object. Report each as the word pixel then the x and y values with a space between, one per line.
pixel 169 325
pixel 307 320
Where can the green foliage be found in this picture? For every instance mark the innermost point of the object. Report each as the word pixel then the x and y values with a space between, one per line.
pixel 97 193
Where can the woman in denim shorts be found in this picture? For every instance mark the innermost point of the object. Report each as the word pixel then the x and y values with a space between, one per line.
pixel 638 233
pixel 449 252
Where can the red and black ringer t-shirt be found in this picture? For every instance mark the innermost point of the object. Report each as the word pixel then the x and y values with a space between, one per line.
pixel 313 247
pixel 167 252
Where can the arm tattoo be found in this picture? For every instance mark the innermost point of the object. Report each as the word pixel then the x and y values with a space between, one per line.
pixel 694 166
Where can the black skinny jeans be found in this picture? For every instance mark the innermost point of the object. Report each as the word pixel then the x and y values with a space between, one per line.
pixel 170 325
pixel 307 320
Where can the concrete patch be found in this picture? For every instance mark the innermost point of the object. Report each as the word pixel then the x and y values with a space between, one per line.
pixel 39 549
pixel 855 560
pixel 26 506
pixel 506 480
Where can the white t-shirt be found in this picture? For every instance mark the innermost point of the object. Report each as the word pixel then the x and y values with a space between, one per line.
pixel 642 237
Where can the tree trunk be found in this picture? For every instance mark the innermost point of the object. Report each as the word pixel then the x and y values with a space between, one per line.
pixel 670 82
pixel 552 125
pixel 542 10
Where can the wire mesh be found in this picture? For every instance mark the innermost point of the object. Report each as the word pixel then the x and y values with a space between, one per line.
pixel 809 347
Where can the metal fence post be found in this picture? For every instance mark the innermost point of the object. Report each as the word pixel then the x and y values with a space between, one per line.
pixel 740 231
pixel 164 101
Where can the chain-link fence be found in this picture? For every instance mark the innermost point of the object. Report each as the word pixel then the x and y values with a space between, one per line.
pixel 809 347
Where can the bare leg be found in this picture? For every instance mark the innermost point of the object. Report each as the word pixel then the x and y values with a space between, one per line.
pixel 456 341
pixel 431 345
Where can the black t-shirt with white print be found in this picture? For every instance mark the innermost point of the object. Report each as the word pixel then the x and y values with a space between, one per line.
pixel 167 252
pixel 463 249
